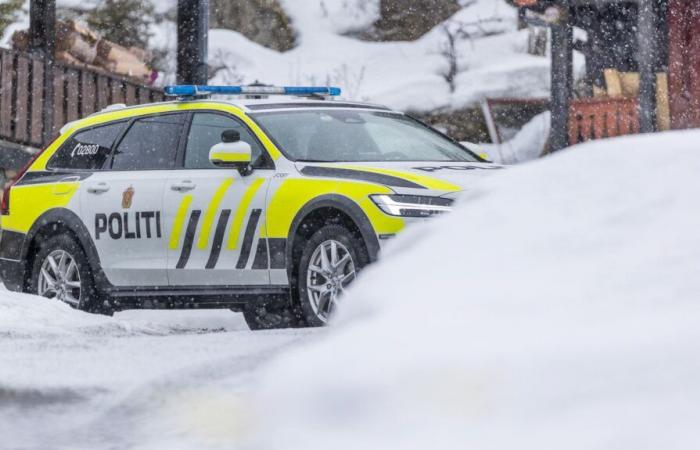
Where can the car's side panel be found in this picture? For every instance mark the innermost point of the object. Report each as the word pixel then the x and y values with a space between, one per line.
pixel 289 195
pixel 30 200
pixel 214 227
pixel 126 225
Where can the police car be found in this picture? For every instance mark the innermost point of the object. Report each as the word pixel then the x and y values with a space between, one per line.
pixel 265 205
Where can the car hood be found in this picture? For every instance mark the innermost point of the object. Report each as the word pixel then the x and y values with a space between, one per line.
pixel 409 177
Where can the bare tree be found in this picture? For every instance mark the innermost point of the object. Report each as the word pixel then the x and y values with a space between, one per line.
pixel 454 32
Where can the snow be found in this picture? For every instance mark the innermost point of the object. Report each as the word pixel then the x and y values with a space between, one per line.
pixel 528 143
pixel 71 380
pixel 403 75
pixel 492 62
pixel 555 308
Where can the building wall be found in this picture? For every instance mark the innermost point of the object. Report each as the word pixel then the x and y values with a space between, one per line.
pixel 684 63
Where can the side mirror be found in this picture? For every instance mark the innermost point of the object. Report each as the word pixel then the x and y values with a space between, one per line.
pixel 232 152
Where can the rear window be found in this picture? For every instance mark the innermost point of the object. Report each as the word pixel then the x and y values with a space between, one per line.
pixel 150 144
pixel 88 149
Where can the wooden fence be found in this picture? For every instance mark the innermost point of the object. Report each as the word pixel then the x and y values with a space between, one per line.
pixel 602 118
pixel 77 92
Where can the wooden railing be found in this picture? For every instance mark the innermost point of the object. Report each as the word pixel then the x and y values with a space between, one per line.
pixel 602 118
pixel 77 92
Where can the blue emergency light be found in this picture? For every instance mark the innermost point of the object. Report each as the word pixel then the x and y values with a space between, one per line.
pixel 190 90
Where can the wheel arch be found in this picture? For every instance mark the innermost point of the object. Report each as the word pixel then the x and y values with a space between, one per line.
pixel 347 207
pixel 56 221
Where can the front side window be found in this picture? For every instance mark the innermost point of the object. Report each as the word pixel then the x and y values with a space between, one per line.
pixel 205 132
pixel 354 136
pixel 87 150
pixel 149 144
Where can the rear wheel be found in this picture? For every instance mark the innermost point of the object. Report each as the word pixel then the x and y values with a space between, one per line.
pixel 329 262
pixel 61 272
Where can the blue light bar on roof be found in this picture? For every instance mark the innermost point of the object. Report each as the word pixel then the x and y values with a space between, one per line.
pixel 190 90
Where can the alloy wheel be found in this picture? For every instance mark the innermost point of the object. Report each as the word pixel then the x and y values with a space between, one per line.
pixel 60 278
pixel 331 270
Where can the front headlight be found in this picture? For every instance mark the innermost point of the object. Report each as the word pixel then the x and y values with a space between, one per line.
pixel 412 205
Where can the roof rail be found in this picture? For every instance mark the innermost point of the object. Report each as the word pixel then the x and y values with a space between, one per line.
pixel 113 107
pixel 191 90
pixel 108 108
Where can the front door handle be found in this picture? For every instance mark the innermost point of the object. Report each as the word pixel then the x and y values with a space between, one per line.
pixel 98 188
pixel 183 186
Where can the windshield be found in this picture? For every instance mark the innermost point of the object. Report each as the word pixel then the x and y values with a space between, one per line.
pixel 345 135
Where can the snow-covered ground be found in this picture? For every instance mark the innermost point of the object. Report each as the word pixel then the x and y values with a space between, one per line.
pixel 70 380
pixel 555 308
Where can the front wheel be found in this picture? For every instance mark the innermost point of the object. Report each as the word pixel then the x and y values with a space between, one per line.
pixel 329 262
pixel 61 272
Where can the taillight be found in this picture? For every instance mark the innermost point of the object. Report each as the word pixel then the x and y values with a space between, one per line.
pixel 5 204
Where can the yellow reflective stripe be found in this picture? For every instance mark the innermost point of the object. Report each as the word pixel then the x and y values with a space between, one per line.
pixel 179 221
pixel 231 157
pixel 294 193
pixel 30 201
pixel 423 180
pixel 209 216
pixel 241 213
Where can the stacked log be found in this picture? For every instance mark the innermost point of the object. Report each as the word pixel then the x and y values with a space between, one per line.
pixel 78 45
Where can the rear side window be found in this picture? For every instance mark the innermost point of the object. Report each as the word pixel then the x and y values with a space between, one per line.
pixel 150 144
pixel 87 150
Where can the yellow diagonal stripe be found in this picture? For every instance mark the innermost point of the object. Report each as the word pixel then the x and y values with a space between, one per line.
pixel 179 221
pixel 241 213
pixel 209 216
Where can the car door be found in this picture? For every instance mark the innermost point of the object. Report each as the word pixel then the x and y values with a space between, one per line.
pixel 214 217
pixel 124 203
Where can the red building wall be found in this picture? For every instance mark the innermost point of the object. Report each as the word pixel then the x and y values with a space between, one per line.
pixel 684 63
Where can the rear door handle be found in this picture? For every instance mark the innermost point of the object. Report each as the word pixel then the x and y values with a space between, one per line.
pixel 183 186
pixel 98 188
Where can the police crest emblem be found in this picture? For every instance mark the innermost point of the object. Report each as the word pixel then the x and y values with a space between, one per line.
pixel 128 197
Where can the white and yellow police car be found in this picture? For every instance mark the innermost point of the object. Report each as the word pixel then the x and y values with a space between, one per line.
pixel 269 206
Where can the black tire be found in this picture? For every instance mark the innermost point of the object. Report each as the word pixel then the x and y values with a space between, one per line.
pixel 355 247
pixel 90 299
pixel 272 315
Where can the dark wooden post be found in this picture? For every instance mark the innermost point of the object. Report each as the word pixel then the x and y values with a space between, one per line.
pixel 647 26
pixel 192 41
pixel 562 76
pixel 42 41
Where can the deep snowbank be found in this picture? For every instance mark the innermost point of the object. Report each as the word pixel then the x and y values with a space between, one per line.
pixel 557 308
